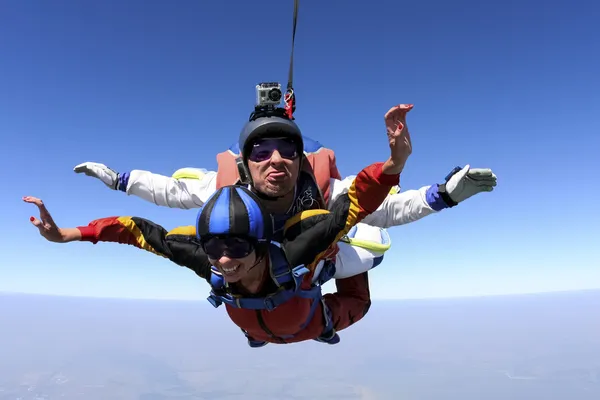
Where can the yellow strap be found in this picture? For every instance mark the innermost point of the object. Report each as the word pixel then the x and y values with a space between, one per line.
pixel 188 173
pixel 367 244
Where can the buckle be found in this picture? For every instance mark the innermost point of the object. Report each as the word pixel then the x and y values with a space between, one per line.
pixel 269 304
pixel 212 299
pixel 300 270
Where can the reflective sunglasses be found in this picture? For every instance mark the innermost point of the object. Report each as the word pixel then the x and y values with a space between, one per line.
pixel 231 246
pixel 263 149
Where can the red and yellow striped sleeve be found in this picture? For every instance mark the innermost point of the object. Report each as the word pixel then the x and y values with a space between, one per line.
pixel 146 235
pixel 124 230
pixel 367 192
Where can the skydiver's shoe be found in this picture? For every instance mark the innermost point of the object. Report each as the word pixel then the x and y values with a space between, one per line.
pixel 256 343
pixel 330 337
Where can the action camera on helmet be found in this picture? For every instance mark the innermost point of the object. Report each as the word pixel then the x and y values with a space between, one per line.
pixel 268 94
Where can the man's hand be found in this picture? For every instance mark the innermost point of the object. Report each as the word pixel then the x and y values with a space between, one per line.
pixel 398 138
pixel 468 182
pixel 99 171
pixel 47 227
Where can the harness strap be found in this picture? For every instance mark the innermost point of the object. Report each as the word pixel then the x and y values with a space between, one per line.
pixel 289 282
pixel 386 241
pixel 270 302
pixel 329 334
pixel 327 272
pixel 280 268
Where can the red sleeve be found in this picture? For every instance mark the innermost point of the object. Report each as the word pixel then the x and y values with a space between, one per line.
pixel 368 191
pixel 111 229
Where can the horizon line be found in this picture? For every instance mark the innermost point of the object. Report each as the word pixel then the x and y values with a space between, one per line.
pixel 460 297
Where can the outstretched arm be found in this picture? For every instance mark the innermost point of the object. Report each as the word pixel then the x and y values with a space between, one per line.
pixel 178 245
pixel 412 205
pixel 191 190
pixel 310 233
pixel 397 208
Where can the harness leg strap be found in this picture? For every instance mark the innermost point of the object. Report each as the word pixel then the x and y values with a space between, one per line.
pixel 329 334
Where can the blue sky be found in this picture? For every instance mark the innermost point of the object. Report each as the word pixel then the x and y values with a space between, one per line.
pixel 162 85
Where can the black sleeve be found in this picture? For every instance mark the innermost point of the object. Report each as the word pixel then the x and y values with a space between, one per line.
pixel 311 234
pixel 178 245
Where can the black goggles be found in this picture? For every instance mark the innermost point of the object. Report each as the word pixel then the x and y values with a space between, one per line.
pixel 230 246
pixel 263 149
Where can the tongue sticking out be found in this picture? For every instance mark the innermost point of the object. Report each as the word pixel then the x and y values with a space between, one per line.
pixel 276 176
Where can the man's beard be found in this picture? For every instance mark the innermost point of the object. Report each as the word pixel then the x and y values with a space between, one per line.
pixel 271 194
pixel 277 189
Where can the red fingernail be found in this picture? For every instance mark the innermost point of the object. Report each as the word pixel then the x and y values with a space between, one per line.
pixel 31 219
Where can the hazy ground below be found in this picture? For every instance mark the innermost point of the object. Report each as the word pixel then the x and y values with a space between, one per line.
pixel 518 347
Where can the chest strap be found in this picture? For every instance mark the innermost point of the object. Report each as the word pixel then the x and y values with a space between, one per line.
pixel 287 279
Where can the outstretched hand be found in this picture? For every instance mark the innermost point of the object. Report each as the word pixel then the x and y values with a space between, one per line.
pixel 46 225
pixel 99 171
pixel 469 182
pixel 398 135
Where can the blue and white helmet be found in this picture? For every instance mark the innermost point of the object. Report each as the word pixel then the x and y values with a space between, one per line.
pixel 234 211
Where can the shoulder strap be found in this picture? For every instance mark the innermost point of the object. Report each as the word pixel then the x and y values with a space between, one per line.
pixel 322 165
pixel 281 271
pixel 227 171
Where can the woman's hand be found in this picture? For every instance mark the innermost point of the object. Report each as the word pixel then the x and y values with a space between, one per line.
pixel 398 138
pixel 47 227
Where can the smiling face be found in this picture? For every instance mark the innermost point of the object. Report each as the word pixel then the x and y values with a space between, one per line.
pixel 234 257
pixel 274 164
pixel 234 269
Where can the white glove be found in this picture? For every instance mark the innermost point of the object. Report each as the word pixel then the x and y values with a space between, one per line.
pixel 99 171
pixel 468 182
